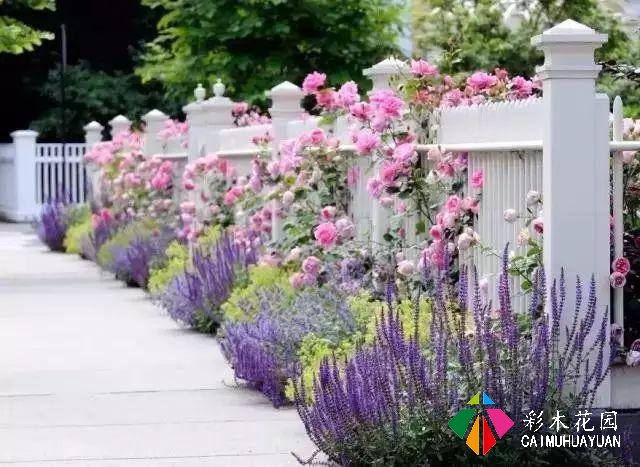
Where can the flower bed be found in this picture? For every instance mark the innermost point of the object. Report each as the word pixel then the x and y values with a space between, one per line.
pixel 378 343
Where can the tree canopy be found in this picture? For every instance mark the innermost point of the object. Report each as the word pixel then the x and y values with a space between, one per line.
pixel 253 45
pixel 17 36
pixel 468 35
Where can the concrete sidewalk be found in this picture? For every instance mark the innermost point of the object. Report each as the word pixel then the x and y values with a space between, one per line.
pixel 93 374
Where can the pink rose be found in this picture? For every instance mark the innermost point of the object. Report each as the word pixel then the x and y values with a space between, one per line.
pixel 453 204
pixel 297 280
pixel 538 225
pixel 311 265
pixel 345 227
pixel 480 81
pixel 617 280
pixel 406 268
pixel 326 234
pixel 366 141
pixel 188 207
pixel 347 95
pixel 621 265
pixel 161 180
pixel 423 68
pixel 361 110
pixel 403 153
pixel 313 81
pixel 328 212
pixel 436 232
pixel 477 179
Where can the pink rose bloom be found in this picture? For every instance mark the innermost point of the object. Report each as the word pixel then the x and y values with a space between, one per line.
pixel 189 185
pixel 345 227
pixel 255 184
pixel 477 179
pixel 348 95
pixel 380 122
pixel 328 212
pixel 361 110
pixel 313 81
pixel 390 171
pixel 311 265
pixel 423 68
pixel 386 102
pixel 480 81
pixel 449 220
pixel 401 207
pixel 523 87
pixel 434 154
pixel 326 98
pixel 406 268
pixel 386 201
pixel 453 98
pixel 161 180
pixel 444 170
pixel 297 280
pixel 617 280
pixel 326 234
pixel 621 265
pixel 404 152
pixel 230 198
pixel 538 225
pixel 470 204
pixel 188 207
pixel 436 232
pixel 510 215
pixel 375 187
pixel 453 204
pixel 366 141
pixel 317 136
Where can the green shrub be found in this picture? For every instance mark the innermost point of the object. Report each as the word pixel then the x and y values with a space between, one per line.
pixel 75 235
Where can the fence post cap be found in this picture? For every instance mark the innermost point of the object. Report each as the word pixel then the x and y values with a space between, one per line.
pixel 24 134
pixel 93 126
pixel 388 66
pixel 154 115
pixel 286 88
pixel 119 119
pixel 569 31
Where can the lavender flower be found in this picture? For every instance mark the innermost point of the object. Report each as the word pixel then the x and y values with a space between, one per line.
pixel 264 351
pixel 51 228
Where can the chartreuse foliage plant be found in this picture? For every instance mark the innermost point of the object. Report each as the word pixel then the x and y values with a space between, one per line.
pixel 244 303
pixel 17 36
pixel 366 313
pixel 177 257
pixel 78 229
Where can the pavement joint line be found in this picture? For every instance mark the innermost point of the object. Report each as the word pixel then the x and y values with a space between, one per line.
pixel 168 422
pixel 210 456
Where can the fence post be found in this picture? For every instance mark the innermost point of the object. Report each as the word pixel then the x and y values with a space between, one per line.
pixel 217 117
pixel 575 169
pixel 380 74
pixel 92 134
pixel 617 192
pixel 154 120
pixel 286 106
pixel 195 117
pixel 24 166
pixel 119 124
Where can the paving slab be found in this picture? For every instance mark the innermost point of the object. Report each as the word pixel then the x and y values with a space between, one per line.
pixel 93 374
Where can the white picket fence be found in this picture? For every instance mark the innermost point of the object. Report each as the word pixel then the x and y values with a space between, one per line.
pixel 558 145
pixel 60 172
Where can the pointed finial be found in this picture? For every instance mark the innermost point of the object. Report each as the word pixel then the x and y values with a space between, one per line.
pixel 218 88
pixel 200 93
